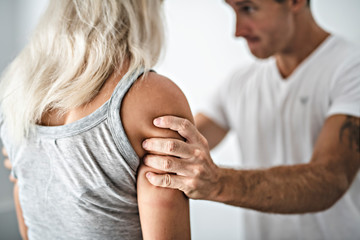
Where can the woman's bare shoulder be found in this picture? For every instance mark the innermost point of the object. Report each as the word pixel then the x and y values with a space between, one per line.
pixel 151 96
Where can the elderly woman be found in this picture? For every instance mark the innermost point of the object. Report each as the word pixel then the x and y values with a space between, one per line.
pixel 76 105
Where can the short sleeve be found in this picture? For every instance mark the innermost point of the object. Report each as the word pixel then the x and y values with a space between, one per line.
pixel 345 93
pixel 214 106
pixel 219 107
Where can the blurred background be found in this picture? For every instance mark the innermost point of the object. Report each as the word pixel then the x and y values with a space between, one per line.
pixel 201 52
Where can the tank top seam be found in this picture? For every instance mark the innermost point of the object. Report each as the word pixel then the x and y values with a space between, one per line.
pixel 50 135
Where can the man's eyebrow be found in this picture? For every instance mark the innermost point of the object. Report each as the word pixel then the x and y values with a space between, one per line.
pixel 243 2
pixel 239 3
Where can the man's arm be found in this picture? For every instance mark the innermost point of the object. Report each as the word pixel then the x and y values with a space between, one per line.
pixel 19 214
pixel 286 189
pixel 164 213
pixel 213 132
pixel 7 164
pixel 308 187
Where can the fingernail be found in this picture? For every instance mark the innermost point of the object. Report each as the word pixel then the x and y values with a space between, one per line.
pixel 144 144
pixel 148 175
pixel 157 121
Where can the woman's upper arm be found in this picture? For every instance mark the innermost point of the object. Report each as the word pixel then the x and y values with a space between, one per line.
pixel 164 213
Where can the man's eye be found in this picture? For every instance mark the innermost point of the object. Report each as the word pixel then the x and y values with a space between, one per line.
pixel 247 9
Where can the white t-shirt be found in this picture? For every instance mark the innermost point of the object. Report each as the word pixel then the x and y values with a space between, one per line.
pixel 277 122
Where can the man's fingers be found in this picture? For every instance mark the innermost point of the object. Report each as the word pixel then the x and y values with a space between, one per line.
pixel 181 125
pixel 12 179
pixel 7 164
pixel 166 180
pixel 173 147
pixel 166 164
pixel 4 152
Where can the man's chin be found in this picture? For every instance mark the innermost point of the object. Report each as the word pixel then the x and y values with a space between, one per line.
pixel 260 54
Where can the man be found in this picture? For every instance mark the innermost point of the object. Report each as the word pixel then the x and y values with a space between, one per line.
pixel 7 164
pixel 296 114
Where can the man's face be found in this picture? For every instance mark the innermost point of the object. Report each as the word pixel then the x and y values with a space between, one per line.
pixel 266 25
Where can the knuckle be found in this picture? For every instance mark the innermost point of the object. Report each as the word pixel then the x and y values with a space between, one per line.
pixel 167 163
pixel 171 146
pixel 192 185
pixel 185 124
pixel 198 171
pixel 199 155
pixel 167 180
pixel 197 152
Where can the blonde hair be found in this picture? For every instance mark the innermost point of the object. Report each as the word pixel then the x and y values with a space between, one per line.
pixel 74 49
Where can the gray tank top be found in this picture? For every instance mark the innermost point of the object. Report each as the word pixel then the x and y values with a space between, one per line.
pixel 78 181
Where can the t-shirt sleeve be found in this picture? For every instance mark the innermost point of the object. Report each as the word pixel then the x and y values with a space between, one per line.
pixel 214 106
pixel 219 107
pixel 345 93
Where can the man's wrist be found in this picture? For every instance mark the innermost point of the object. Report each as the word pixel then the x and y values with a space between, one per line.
pixel 223 191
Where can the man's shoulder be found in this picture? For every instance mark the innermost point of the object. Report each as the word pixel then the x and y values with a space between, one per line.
pixel 344 43
pixel 341 58
pixel 339 49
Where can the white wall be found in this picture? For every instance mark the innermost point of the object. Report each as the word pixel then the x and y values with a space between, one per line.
pixel 201 53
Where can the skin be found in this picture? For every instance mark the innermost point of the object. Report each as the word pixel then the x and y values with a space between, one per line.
pixel 7 164
pixel 164 213
pixel 288 32
pixel 21 222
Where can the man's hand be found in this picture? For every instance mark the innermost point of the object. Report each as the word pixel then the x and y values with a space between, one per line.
pixel 188 164
pixel 7 164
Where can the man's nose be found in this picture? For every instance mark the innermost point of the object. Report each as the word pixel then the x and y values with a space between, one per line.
pixel 241 28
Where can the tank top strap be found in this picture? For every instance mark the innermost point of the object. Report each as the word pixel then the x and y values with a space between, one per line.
pixel 115 122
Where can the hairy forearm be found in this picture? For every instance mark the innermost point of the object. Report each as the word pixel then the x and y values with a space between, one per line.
pixel 286 189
